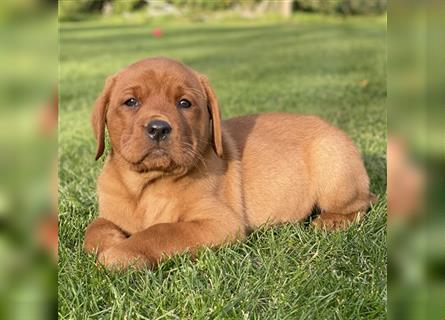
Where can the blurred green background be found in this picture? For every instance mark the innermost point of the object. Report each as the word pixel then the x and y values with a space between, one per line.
pixel 416 159
pixel 28 227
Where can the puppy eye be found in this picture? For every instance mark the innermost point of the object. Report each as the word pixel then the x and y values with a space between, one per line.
pixel 132 102
pixel 183 103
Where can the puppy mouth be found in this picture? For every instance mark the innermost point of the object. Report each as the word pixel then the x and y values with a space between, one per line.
pixel 153 159
pixel 161 158
pixel 153 154
pixel 157 152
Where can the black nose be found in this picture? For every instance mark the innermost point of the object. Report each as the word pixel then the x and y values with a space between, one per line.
pixel 158 130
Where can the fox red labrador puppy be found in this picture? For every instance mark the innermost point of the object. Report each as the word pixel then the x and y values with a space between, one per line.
pixel 178 178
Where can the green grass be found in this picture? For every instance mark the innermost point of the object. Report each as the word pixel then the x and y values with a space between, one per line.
pixel 285 272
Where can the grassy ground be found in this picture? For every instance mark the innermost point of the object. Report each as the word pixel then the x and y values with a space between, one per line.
pixel 332 68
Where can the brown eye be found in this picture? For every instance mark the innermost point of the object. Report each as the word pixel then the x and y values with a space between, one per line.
pixel 132 102
pixel 183 103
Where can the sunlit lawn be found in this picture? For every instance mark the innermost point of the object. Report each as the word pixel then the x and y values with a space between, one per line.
pixel 333 68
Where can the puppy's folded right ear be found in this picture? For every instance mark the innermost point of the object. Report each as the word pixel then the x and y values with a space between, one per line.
pixel 215 115
pixel 98 118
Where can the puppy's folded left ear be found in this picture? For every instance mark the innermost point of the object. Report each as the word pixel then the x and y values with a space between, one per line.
pixel 213 106
pixel 98 118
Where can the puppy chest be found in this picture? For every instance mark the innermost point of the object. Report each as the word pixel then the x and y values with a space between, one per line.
pixel 157 208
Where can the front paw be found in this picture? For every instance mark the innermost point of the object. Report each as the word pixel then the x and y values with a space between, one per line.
pixel 97 246
pixel 101 235
pixel 117 258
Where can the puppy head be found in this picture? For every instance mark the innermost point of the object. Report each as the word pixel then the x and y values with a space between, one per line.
pixel 160 115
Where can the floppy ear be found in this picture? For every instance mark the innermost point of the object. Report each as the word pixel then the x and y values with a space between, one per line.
pixel 212 105
pixel 99 114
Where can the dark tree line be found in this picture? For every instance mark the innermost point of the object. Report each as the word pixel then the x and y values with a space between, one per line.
pixel 345 7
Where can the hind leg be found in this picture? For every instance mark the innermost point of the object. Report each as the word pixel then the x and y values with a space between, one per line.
pixel 341 181
pixel 343 194
pixel 335 221
pixel 339 213
pixel 340 218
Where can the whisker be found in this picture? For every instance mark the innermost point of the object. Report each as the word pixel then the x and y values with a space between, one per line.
pixel 188 149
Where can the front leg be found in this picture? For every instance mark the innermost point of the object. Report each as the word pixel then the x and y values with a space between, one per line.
pixel 101 235
pixel 148 247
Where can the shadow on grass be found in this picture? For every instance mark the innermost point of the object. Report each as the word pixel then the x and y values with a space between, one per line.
pixel 376 166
